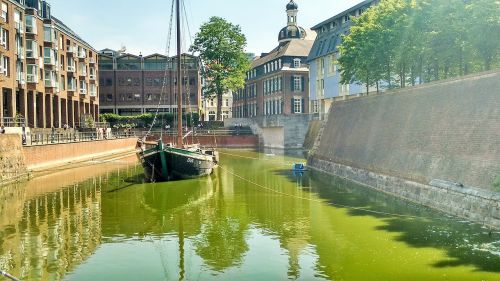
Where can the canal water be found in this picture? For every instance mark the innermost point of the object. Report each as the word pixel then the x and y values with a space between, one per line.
pixel 254 219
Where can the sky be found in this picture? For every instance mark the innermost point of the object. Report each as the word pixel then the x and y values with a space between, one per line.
pixel 142 26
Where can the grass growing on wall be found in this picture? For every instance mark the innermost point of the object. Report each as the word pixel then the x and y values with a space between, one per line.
pixel 496 183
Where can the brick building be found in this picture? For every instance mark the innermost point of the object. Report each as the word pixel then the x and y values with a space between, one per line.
pixel 48 74
pixel 133 85
pixel 277 83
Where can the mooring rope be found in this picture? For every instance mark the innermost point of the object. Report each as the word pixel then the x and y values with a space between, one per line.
pixel 7 275
pixel 321 200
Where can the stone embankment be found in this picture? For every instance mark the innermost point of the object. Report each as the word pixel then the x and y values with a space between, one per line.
pixel 12 164
pixel 399 142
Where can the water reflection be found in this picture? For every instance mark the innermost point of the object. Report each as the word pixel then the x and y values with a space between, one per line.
pixel 51 224
pixel 254 219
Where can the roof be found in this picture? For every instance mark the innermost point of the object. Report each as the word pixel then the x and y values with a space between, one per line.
pixel 60 25
pixel 296 48
pixel 327 42
pixel 341 14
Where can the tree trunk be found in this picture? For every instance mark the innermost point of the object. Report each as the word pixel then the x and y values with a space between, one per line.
pixel 219 105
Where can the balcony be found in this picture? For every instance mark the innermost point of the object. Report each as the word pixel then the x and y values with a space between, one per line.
pixel 19 27
pixel 71 49
pixel 71 87
pixel 31 54
pixel 71 68
pixel 92 76
pixel 83 72
pixel 82 55
pixel 20 79
pixel 83 91
pixel 31 30
pixel 50 60
pixel 50 83
pixel 92 60
pixel 20 53
pixel 32 79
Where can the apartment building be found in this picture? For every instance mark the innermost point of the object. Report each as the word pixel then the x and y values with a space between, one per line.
pixel 277 83
pixel 209 107
pixel 325 74
pixel 48 74
pixel 133 85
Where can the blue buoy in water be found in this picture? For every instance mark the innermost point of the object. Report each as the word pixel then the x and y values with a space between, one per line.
pixel 299 167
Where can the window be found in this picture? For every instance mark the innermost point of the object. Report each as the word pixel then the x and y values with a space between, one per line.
pixel 32 73
pixel 297 105
pixel 3 15
pixel 315 106
pixel 31 24
pixel 227 102
pixel 4 38
pixel 333 64
pixel 31 49
pixel 297 83
pixel 109 98
pixel 296 63
pixel 5 65
pixel 63 83
pixel 83 85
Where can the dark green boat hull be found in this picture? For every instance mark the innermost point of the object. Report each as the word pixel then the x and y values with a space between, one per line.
pixel 168 163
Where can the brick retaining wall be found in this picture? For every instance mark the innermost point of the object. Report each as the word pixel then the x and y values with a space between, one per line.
pixel 37 157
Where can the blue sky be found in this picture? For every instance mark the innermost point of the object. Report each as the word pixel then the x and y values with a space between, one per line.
pixel 142 26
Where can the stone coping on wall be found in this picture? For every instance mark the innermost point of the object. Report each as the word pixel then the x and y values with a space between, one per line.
pixel 479 206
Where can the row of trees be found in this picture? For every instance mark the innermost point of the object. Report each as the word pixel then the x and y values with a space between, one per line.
pixel 145 120
pixel 408 42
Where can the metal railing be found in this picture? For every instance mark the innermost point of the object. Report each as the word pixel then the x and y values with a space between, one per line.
pixel 13 121
pixel 206 132
pixel 54 138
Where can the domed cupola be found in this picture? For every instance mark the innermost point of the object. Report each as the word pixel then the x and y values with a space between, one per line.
pixel 292 6
pixel 292 30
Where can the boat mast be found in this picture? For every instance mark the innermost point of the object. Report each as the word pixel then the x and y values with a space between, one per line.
pixel 179 78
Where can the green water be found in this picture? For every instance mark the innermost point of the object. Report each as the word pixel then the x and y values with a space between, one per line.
pixel 252 220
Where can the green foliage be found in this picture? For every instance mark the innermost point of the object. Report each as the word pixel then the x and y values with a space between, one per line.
pixel 145 120
pixel 496 183
pixel 221 45
pixel 405 42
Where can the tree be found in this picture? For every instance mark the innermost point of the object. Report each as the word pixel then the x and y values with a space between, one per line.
pixel 420 41
pixel 220 45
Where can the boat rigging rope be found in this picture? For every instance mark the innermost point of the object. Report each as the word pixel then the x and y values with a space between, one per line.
pixel 165 74
pixel 8 276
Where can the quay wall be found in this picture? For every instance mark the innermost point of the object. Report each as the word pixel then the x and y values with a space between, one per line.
pixel 277 131
pixel 12 164
pixel 447 130
pixel 51 155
